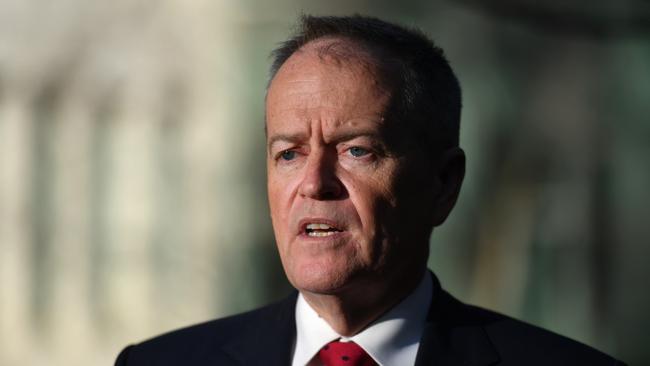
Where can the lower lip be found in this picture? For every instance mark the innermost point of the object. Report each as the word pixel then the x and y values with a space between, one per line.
pixel 332 236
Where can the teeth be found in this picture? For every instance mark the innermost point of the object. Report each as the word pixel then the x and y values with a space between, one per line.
pixel 319 227
pixel 321 233
pixel 320 230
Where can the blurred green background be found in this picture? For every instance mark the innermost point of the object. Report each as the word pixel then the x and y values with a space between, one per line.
pixel 132 179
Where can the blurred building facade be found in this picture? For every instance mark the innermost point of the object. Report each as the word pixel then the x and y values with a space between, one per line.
pixel 132 192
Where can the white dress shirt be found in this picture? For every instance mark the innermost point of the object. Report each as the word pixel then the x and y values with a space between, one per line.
pixel 391 340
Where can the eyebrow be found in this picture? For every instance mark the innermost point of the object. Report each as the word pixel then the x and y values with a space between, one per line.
pixel 350 135
pixel 295 137
pixel 336 138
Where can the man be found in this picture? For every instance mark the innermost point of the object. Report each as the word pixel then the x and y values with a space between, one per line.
pixel 363 161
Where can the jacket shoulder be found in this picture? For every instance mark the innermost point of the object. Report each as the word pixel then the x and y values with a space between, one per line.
pixel 202 343
pixel 519 343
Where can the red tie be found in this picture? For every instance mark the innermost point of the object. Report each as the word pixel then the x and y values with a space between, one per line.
pixel 344 354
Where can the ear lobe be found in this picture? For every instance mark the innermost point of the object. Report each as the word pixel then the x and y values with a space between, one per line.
pixel 449 175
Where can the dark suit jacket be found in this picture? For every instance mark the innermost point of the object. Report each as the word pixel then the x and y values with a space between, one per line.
pixel 455 334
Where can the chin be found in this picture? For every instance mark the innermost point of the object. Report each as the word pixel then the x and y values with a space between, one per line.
pixel 321 279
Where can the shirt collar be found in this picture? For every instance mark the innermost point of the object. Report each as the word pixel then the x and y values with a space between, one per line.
pixel 391 340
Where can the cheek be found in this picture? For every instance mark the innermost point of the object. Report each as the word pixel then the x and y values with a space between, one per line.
pixel 278 214
pixel 371 203
pixel 376 204
pixel 281 193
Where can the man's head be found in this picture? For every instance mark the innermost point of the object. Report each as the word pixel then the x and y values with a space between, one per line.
pixel 363 160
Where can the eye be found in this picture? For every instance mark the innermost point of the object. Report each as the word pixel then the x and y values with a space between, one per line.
pixel 288 155
pixel 358 152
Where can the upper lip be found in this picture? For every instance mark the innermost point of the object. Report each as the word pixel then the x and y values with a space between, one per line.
pixel 302 224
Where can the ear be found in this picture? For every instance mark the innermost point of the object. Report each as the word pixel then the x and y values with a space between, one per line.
pixel 449 173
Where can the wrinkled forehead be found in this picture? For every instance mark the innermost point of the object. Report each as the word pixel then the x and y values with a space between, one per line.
pixel 331 56
pixel 333 70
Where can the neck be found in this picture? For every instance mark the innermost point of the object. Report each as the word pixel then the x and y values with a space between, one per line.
pixel 349 312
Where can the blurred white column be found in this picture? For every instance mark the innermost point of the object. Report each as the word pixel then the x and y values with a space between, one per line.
pixel 16 326
pixel 70 314
pixel 130 209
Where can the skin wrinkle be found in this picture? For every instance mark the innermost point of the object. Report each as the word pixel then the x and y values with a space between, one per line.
pixel 339 138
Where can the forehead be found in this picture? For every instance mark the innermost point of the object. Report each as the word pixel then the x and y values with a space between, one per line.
pixel 330 55
pixel 326 78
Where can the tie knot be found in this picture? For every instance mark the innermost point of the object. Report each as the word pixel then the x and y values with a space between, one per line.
pixel 344 354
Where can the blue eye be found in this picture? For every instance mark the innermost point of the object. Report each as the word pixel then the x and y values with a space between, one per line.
pixel 358 151
pixel 288 155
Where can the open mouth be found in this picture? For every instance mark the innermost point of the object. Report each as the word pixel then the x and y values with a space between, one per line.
pixel 320 230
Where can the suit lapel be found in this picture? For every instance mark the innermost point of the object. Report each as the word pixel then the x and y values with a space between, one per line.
pixel 451 337
pixel 270 340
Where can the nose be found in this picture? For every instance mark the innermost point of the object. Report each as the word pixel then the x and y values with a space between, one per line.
pixel 320 180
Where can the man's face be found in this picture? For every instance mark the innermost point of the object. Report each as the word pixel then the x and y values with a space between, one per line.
pixel 347 206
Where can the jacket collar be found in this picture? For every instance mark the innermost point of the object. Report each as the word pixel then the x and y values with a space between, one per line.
pixel 269 337
pixel 451 337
